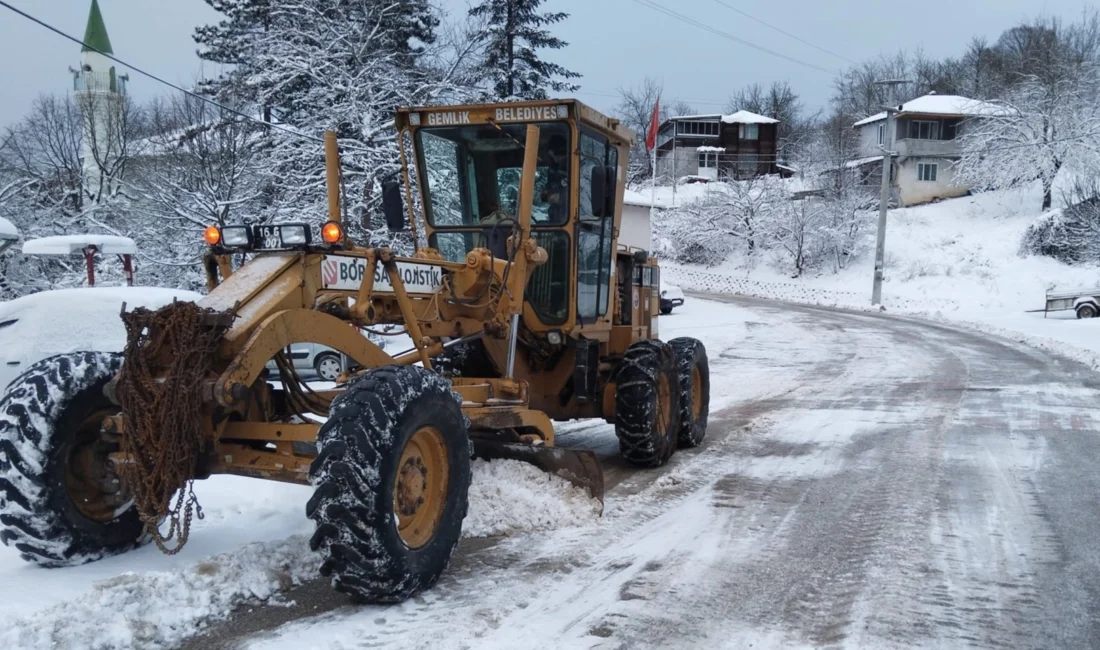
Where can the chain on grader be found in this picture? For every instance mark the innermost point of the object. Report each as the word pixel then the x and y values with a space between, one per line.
pixel 162 416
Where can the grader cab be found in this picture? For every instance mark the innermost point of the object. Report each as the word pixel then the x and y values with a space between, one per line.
pixel 521 309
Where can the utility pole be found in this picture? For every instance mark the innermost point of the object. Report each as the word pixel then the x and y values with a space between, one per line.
pixel 884 196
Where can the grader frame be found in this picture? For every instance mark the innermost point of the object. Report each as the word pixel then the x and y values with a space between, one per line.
pixel 557 322
pixel 280 298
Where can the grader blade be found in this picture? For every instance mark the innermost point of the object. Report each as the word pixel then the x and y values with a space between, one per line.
pixel 579 467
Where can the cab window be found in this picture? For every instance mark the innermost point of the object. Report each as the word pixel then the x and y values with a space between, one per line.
pixel 593 232
pixel 471 174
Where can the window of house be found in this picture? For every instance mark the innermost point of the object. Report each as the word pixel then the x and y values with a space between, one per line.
pixel 882 134
pixel 708 159
pixel 924 130
pixel 927 171
pixel 749 131
pixel 694 127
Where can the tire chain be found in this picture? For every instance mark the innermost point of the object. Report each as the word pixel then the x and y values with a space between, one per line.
pixel 163 421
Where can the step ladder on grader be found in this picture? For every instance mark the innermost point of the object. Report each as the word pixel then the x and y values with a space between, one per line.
pixel 522 310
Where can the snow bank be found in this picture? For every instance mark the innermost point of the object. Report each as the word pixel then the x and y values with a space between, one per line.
pixel 510 496
pixel 160 609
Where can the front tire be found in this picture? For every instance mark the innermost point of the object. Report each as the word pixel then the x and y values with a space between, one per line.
pixel 61 503
pixel 693 373
pixel 647 404
pixel 392 475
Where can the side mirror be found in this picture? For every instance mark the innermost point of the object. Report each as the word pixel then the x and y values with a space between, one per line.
pixel 393 206
pixel 599 191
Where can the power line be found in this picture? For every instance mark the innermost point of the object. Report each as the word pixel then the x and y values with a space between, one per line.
pixel 154 77
pixel 651 4
pixel 785 33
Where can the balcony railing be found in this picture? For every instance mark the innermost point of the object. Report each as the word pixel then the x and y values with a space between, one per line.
pixel 103 82
pixel 913 147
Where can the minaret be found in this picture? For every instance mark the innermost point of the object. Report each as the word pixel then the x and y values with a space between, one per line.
pixel 100 95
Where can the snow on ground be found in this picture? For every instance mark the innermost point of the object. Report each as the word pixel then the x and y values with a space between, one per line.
pixel 955 261
pixel 510 496
pixel 251 544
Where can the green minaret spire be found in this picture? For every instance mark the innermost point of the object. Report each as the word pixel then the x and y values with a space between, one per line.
pixel 95 35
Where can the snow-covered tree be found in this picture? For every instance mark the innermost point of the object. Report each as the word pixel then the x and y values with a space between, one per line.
pixel 197 167
pixel 344 66
pixel 514 32
pixel 1045 126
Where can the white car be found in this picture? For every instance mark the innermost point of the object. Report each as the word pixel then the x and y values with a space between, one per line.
pixel 48 323
pixel 671 296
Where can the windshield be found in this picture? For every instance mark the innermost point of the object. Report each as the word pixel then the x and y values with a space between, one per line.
pixel 472 174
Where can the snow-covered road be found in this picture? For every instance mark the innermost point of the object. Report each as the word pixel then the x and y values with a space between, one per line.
pixel 866 481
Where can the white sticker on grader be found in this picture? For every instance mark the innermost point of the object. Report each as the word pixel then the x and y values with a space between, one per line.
pixel 346 273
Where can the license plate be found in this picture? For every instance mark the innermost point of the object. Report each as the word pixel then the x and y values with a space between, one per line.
pixel 267 238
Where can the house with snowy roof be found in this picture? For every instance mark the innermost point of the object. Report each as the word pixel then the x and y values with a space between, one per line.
pixel 712 147
pixel 925 143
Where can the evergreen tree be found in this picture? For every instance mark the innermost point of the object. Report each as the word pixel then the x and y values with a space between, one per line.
pixel 515 32
pixel 343 65
pixel 401 31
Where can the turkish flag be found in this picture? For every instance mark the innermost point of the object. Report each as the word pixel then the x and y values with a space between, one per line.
pixel 651 139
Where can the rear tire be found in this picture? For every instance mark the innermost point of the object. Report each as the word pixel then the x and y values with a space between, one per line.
pixel 666 310
pixel 647 404
pixel 395 442
pixel 693 371
pixel 53 468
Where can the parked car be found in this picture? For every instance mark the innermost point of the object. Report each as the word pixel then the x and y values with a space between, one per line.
pixel 48 323
pixel 671 296
pixel 320 360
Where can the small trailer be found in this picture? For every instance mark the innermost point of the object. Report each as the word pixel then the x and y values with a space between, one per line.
pixel 1086 302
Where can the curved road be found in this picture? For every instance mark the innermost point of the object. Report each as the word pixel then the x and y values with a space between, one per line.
pixel 867 481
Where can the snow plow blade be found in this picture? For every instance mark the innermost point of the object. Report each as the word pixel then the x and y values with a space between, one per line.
pixel 579 467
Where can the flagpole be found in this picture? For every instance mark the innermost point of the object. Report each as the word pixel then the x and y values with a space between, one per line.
pixel 653 185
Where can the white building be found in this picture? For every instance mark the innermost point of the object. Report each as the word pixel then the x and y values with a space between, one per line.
pixel 635 227
pixel 925 140
pixel 100 93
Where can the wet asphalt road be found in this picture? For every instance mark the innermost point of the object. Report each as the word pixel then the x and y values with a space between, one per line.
pixel 871 482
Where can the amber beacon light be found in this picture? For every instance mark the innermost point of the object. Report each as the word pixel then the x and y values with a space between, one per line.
pixel 212 235
pixel 332 233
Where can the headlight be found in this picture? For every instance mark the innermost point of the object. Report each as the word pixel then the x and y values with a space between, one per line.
pixel 237 237
pixel 554 338
pixel 294 234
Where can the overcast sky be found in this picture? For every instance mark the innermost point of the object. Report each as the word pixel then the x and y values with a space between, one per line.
pixel 612 42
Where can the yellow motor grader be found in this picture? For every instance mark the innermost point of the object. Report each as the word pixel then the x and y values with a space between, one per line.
pixel 521 307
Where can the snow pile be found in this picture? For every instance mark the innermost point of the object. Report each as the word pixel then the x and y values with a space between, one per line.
pixel 510 496
pixel 160 609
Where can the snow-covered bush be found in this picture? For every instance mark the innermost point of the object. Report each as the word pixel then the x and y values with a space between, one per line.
pixel 1070 235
